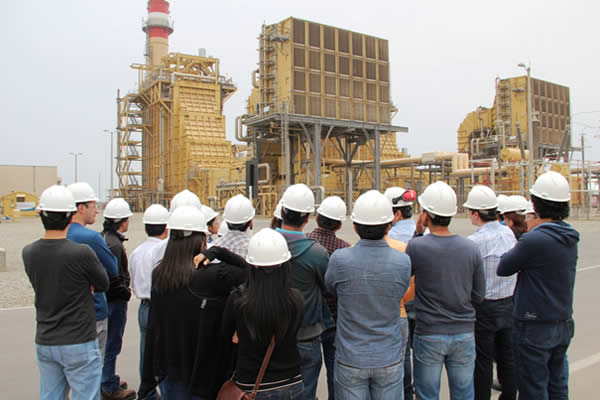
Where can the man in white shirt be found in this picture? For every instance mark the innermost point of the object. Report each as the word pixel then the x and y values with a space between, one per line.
pixel 141 265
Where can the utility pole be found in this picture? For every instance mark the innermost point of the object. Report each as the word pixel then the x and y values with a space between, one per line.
pixel 112 172
pixel 529 126
pixel 75 156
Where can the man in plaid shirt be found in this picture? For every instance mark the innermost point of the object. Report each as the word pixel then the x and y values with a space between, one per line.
pixel 329 219
pixel 238 216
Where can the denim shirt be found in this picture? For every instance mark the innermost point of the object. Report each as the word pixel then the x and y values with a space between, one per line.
pixel 369 280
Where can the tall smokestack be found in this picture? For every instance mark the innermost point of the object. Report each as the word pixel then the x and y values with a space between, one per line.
pixel 158 26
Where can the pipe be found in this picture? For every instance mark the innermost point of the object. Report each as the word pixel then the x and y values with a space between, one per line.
pixel 320 189
pixel 267 168
pixel 212 199
pixel 254 82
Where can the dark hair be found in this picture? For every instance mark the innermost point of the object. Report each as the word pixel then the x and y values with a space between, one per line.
pixel 154 230
pixel 56 221
pixel 239 227
pixel 406 211
pixel 212 221
pixel 519 224
pixel 276 223
pixel 555 210
pixel 176 267
pixel 293 218
pixel 82 203
pixel 499 216
pixel 328 223
pixel 438 220
pixel 269 304
pixel 112 224
pixel 371 232
pixel 486 215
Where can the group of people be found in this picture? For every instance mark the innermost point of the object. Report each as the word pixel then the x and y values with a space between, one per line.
pixel 384 315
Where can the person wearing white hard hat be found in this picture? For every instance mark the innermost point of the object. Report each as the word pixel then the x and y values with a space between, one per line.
pixel 87 209
pixel 309 264
pixel 116 224
pixel 514 214
pixel 370 280
pixel 493 326
pixel 531 219
pixel 449 279
pixel 63 275
pixel 211 221
pixel 330 215
pixel 276 220
pixel 238 215
pixel 403 226
pixel 182 343
pixel 502 203
pixel 266 315
pixel 141 265
pixel 185 198
pixel 545 260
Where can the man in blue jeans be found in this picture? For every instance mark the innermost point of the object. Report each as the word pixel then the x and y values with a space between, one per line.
pixel 116 223
pixel 64 275
pixel 545 259
pixel 449 280
pixel 308 266
pixel 370 280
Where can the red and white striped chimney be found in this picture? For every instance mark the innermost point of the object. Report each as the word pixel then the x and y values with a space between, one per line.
pixel 158 26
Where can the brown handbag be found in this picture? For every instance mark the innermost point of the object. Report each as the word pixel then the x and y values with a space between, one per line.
pixel 231 391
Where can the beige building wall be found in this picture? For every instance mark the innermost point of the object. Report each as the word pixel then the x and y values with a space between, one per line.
pixel 27 178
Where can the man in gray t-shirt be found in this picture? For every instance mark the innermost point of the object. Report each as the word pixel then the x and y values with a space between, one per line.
pixel 449 279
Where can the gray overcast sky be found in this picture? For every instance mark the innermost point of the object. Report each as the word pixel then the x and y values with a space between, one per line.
pixel 62 63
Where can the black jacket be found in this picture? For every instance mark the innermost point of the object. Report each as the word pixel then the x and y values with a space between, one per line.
pixel 119 285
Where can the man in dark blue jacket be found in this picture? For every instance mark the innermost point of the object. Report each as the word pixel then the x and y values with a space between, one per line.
pixel 545 259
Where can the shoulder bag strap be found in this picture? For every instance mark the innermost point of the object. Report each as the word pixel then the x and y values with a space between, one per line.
pixel 263 368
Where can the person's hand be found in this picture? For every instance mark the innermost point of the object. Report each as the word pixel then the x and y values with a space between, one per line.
pixel 92 289
pixel 234 338
pixel 200 259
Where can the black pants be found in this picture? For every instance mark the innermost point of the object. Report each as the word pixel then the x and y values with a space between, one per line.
pixel 493 340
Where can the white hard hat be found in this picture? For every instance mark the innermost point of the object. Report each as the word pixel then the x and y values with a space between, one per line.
pixel 481 198
pixel 267 248
pixel 185 198
pixel 187 218
pixel 223 229
pixel 439 199
pixel 238 210
pixel 82 192
pixel 277 213
pixel 298 198
pixel 395 192
pixel 156 215
pixel 514 204
pixel 117 208
pixel 209 213
pixel 502 202
pixel 372 208
pixel 333 207
pixel 57 198
pixel 551 186
pixel 529 209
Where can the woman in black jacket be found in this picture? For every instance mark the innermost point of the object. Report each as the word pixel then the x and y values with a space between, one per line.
pixel 183 344
pixel 266 308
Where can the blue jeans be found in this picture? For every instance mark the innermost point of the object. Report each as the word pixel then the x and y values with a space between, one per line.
pixel 287 393
pixel 540 358
pixel 384 383
pixel 117 317
pixel 456 352
pixel 77 366
pixel 176 390
pixel 310 366
pixel 328 343
pixel 409 387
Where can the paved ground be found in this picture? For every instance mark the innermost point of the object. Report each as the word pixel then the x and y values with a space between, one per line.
pixel 20 378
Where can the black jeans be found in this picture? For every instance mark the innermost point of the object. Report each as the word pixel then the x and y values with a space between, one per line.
pixel 493 340
pixel 409 387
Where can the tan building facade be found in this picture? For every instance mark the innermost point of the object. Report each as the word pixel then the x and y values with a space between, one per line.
pixel 27 178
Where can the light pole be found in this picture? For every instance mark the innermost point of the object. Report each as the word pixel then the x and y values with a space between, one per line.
pixel 112 135
pixel 75 156
pixel 529 126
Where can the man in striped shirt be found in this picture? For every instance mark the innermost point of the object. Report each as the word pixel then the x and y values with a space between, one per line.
pixel 493 328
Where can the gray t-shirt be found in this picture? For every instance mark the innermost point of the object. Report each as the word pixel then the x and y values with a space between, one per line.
pixel 61 273
pixel 449 279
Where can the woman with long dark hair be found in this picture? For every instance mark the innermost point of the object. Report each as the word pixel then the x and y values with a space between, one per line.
pixel 186 306
pixel 266 308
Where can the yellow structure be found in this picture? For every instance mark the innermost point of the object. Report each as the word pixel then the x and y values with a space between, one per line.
pixel 174 126
pixel 19 204
pixel 486 131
